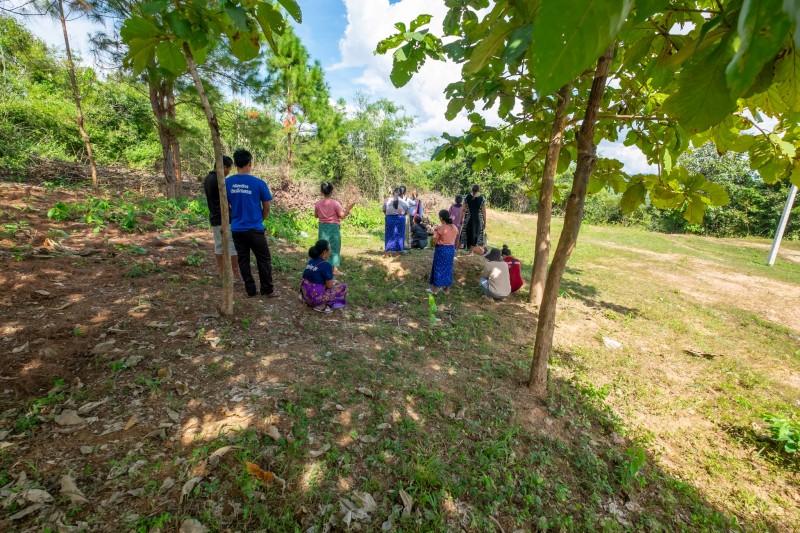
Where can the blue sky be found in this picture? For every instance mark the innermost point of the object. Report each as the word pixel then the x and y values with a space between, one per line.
pixel 342 35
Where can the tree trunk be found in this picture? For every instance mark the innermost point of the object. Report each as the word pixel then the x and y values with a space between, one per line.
pixel 76 95
pixel 587 157
pixel 226 305
pixel 158 103
pixel 289 116
pixel 544 210
pixel 176 146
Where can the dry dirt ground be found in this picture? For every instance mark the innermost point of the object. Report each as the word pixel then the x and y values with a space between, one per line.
pixel 118 375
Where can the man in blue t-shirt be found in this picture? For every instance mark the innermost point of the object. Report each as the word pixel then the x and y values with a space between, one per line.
pixel 249 199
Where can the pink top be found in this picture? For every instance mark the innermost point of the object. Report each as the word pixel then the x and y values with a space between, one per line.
pixel 328 211
pixel 445 235
pixel 455 213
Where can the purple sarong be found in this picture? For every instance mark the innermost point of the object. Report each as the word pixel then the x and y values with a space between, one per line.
pixel 315 294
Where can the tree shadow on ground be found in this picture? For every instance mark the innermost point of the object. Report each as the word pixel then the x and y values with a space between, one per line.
pixel 383 396
pixel 588 294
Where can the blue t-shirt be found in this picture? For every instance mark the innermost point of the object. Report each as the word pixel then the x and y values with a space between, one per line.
pixel 318 271
pixel 245 194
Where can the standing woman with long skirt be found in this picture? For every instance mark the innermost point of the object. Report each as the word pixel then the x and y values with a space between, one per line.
pixel 473 221
pixel 330 214
pixel 394 233
pixel 444 240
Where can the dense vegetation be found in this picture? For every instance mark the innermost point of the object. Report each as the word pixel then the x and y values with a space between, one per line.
pixel 367 147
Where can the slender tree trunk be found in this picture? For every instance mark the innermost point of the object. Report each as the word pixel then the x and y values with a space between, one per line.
pixel 226 305
pixel 176 146
pixel 544 211
pixel 289 130
pixel 76 95
pixel 587 157
pixel 157 103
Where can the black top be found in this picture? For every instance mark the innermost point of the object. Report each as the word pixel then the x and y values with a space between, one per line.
pixel 212 196
pixel 418 231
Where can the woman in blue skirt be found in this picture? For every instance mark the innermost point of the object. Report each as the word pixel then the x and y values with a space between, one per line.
pixel 444 240
pixel 394 234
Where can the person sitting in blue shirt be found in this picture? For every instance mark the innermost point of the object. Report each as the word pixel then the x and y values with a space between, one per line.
pixel 249 199
pixel 318 288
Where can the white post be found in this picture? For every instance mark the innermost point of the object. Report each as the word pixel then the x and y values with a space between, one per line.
pixel 773 253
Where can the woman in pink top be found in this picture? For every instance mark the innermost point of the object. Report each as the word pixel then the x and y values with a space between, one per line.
pixel 444 239
pixel 330 214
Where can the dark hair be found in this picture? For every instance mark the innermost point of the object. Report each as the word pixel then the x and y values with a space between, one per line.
pixel 444 214
pixel 403 189
pixel 417 219
pixel 326 188
pixel 242 158
pixel 397 194
pixel 227 161
pixel 318 249
pixel 459 199
pixel 476 188
pixel 505 250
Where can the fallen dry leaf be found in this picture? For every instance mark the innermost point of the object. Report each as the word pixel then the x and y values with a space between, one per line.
pixel 264 476
pixel 273 432
pixel 91 406
pixel 408 502
pixel 68 418
pixel 366 392
pixel 214 458
pixel 36 496
pixel 181 388
pixel 132 421
pixel 71 491
pixel 190 525
pixel 317 453
pixel 189 486
pixel 164 373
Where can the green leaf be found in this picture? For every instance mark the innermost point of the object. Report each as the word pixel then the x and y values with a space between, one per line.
pixel 488 47
pixel 794 177
pixel 451 21
pixel 792 9
pixel 238 15
pixel 293 9
pixel 762 31
pixel 420 21
pixel 595 185
pixel 703 99
pixel 518 43
pixel 179 25
pixel 268 16
pixel 663 197
pixel 171 57
pixel 716 193
pixel 141 52
pixel 787 79
pixel 695 209
pixel 155 7
pixel 646 8
pixel 506 105
pixel 632 198
pixel 481 162
pixel 564 159
pixel 138 27
pixel 454 106
pixel 568 40
pixel 245 45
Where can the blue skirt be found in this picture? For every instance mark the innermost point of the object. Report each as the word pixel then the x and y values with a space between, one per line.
pixel 442 269
pixel 395 233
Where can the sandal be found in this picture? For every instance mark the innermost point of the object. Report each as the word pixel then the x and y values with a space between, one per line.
pixel 323 309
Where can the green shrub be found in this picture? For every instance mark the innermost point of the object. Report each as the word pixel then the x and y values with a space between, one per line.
pixel 784 432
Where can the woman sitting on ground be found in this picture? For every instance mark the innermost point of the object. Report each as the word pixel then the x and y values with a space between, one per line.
pixel 444 240
pixel 514 269
pixel 419 235
pixel 495 279
pixel 319 289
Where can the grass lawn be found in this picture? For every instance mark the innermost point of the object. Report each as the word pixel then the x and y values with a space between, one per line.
pixel 386 416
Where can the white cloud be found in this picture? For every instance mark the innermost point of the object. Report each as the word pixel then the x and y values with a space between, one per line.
pixel 634 160
pixel 49 30
pixel 370 21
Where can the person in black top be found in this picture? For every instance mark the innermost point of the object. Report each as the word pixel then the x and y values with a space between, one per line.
pixel 215 218
pixel 419 235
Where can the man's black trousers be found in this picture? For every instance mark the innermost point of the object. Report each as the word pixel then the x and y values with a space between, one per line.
pixel 255 241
